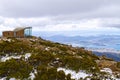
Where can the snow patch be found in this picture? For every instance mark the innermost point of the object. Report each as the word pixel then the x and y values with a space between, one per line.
pixel 4 78
pixel 3 59
pixel 32 74
pixel 12 79
pixel 47 48
pixel 9 40
pixel 107 70
pixel 74 75
pixel 27 55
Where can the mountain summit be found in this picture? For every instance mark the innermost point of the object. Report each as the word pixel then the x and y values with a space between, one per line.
pixel 39 59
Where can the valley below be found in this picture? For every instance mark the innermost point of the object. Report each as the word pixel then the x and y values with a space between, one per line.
pixel 108 45
pixel 110 53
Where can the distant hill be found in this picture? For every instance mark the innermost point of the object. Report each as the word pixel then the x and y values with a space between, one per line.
pixel 102 41
pixel 114 56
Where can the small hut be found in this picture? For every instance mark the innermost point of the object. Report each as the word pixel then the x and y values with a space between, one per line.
pixel 19 32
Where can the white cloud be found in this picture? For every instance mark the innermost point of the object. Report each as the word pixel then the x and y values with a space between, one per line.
pixel 40 8
pixel 51 24
pixel 60 15
pixel 77 25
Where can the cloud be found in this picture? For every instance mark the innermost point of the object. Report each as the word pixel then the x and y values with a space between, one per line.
pixel 60 15
pixel 11 23
pixel 110 22
pixel 50 24
pixel 65 8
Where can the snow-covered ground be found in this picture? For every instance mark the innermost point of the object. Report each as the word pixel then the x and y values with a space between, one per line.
pixel 82 74
pixel 5 58
pixel 74 75
pixel 9 79
pixel 109 71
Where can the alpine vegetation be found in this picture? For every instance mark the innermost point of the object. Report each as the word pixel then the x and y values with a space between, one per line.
pixel 38 59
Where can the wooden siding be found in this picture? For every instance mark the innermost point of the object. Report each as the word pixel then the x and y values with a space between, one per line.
pixel 8 34
pixel 20 34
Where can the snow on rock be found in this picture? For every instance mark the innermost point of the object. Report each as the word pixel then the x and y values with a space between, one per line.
pixel 32 74
pixel 74 75
pixel 27 55
pixel 47 48
pixel 107 70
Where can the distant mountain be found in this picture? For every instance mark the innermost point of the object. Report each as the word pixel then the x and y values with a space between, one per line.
pixel 111 55
pixel 102 41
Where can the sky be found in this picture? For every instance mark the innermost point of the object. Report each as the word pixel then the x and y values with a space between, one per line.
pixel 98 16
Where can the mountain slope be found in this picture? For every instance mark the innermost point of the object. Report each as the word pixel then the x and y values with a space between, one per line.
pixel 38 59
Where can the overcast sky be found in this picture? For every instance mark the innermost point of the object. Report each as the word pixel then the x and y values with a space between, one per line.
pixel 60 15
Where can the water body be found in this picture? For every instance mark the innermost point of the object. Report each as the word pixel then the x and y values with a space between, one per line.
pixel 107 42
pixel 92 42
